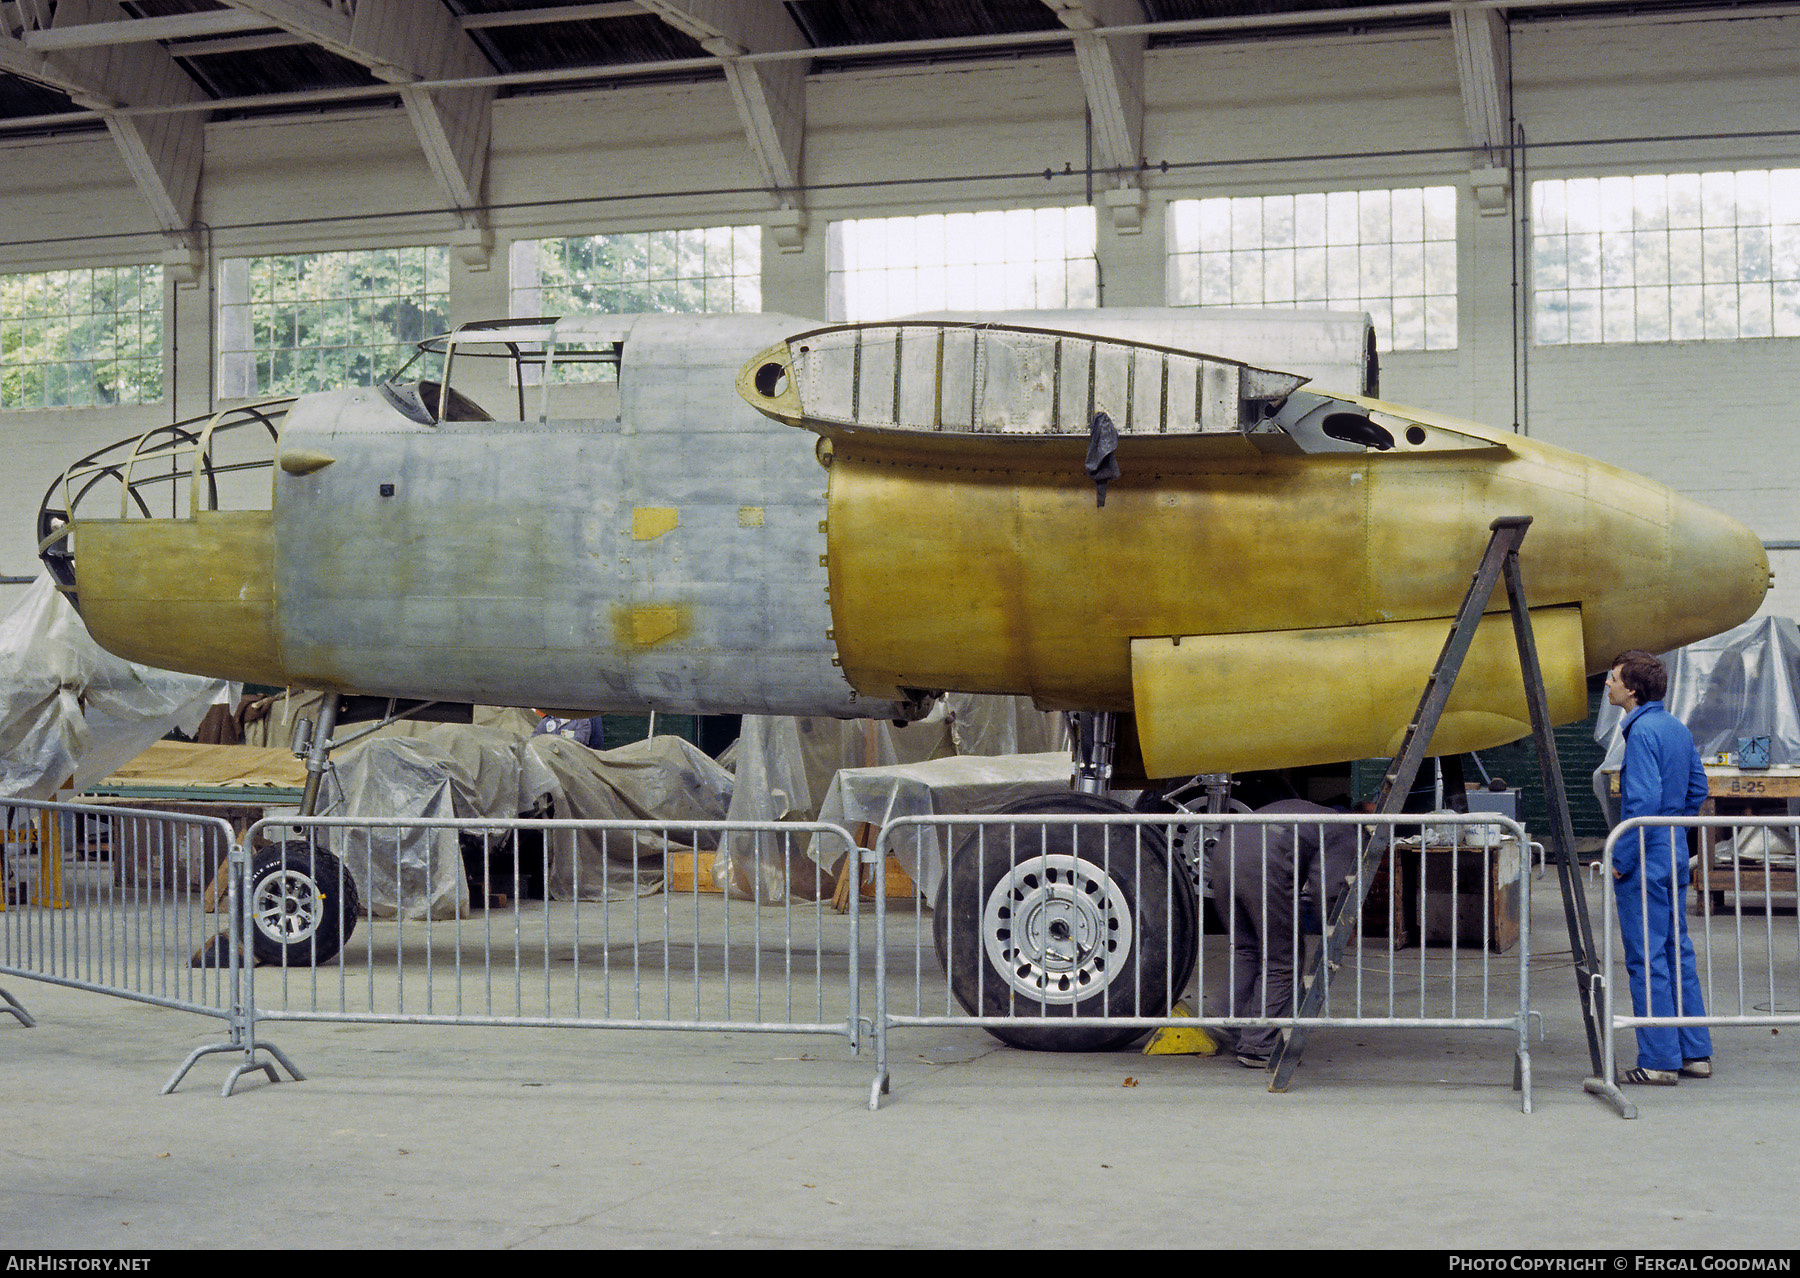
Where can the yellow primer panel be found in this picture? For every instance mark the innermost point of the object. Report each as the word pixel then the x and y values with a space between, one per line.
pixel 195 595
pixel 1237 702
pixel 648 626
pixel 999 573
pixel 650 522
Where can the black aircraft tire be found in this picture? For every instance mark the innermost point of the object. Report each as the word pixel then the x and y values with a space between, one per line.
pixel 303 905
pixel 1136 961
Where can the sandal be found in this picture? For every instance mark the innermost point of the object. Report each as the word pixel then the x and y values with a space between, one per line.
pixel 1655 1077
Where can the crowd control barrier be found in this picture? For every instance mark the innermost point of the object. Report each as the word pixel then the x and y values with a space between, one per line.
pixel 1734 913
pixel 578 928
pixel 1080 932
pixel 113 899
pixel 1049 928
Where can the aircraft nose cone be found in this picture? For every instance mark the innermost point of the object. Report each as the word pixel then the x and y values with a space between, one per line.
pixel 1719 571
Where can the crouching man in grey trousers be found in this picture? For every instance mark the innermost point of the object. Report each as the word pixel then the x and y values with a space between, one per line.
pixel 1258 874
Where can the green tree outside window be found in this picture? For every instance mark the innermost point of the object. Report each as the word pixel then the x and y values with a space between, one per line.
pixel 306 322
pixel 81 338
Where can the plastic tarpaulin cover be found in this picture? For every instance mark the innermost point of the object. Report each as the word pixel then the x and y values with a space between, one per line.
pixel 451 771
pixel 1743 683
pixel 70 709
pixel 785 766
pixel 662 779
pixel 968 784
pixel 458 770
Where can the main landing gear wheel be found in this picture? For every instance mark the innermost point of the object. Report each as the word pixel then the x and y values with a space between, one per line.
pixel 1065 920
pixel 303 905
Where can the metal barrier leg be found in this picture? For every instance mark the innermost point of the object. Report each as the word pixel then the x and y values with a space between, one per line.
pixel 243 992
pixel 1605 1085
pixel 17 1009
pixel 1606 1091
pixel 194 1056
pixel 879 1086
pixel 243 1039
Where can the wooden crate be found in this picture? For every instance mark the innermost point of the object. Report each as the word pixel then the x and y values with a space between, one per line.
pixel 1472 896
pixel 1388 911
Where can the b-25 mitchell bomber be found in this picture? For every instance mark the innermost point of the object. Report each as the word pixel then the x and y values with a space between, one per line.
pixel 1223 564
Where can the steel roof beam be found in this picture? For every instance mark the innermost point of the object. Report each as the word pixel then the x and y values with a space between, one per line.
pixel 1112 73
pixel 161 152
pixel 405 42
pixel 180 26
pixel 20 59
pixel 536 17
pixel 1483 69
pixel 770 96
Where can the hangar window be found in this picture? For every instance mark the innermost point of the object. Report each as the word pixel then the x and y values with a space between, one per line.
pixel 715 269
pixel 77 339
pixel 315 321
pixel 1666 257
pixel 1390 253
pixel 1012 260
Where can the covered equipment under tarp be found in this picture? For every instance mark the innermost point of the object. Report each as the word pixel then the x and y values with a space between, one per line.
pixel 186 764
pixel 71 712
pixel 1740 684
pixel 938 787
pixel 455 770
pixel 785 767
pixel 658 779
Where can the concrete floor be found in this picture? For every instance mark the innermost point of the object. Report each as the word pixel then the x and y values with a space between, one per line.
pixel 429 1136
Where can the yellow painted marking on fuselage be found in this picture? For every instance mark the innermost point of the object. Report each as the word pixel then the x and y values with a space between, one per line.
pixel 647 625
pixel 650 522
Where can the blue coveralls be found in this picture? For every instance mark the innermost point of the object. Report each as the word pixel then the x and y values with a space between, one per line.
pixel 1661 776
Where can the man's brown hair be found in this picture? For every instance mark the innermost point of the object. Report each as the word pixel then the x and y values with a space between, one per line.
pixel 1643 674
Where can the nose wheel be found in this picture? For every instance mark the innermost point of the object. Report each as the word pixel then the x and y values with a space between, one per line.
pixel 303 905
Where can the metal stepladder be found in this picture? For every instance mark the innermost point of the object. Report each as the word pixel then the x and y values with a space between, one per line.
pixel 1500 560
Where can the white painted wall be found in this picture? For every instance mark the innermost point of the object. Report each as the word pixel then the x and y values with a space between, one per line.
pixel 1709 418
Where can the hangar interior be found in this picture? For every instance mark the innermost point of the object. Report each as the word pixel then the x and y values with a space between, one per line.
pixel 1578 221
pixel 196 138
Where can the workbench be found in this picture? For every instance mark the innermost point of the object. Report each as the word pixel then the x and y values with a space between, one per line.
pixel 1737 792
pixel 1733 791
pixel 237 784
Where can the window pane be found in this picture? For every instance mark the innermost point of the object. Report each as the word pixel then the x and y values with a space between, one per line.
pixel 691 270
pixel 1689 256
pixel 1350 250
pixel 320 320
pixel 1787 310
pixel 1012 259
pixel 81 338
pixel 1652 314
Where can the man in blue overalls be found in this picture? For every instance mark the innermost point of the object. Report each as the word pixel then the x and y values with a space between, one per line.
pixel 1661 776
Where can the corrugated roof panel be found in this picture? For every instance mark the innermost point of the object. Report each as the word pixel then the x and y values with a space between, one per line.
pixel 19 97
pixel 837 22
pixel 288 69
pixel 596 42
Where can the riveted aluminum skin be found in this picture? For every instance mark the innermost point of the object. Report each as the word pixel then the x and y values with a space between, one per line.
pixel 668 559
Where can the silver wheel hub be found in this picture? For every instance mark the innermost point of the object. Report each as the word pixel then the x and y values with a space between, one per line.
pixel 287 906
pixel 1057 929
